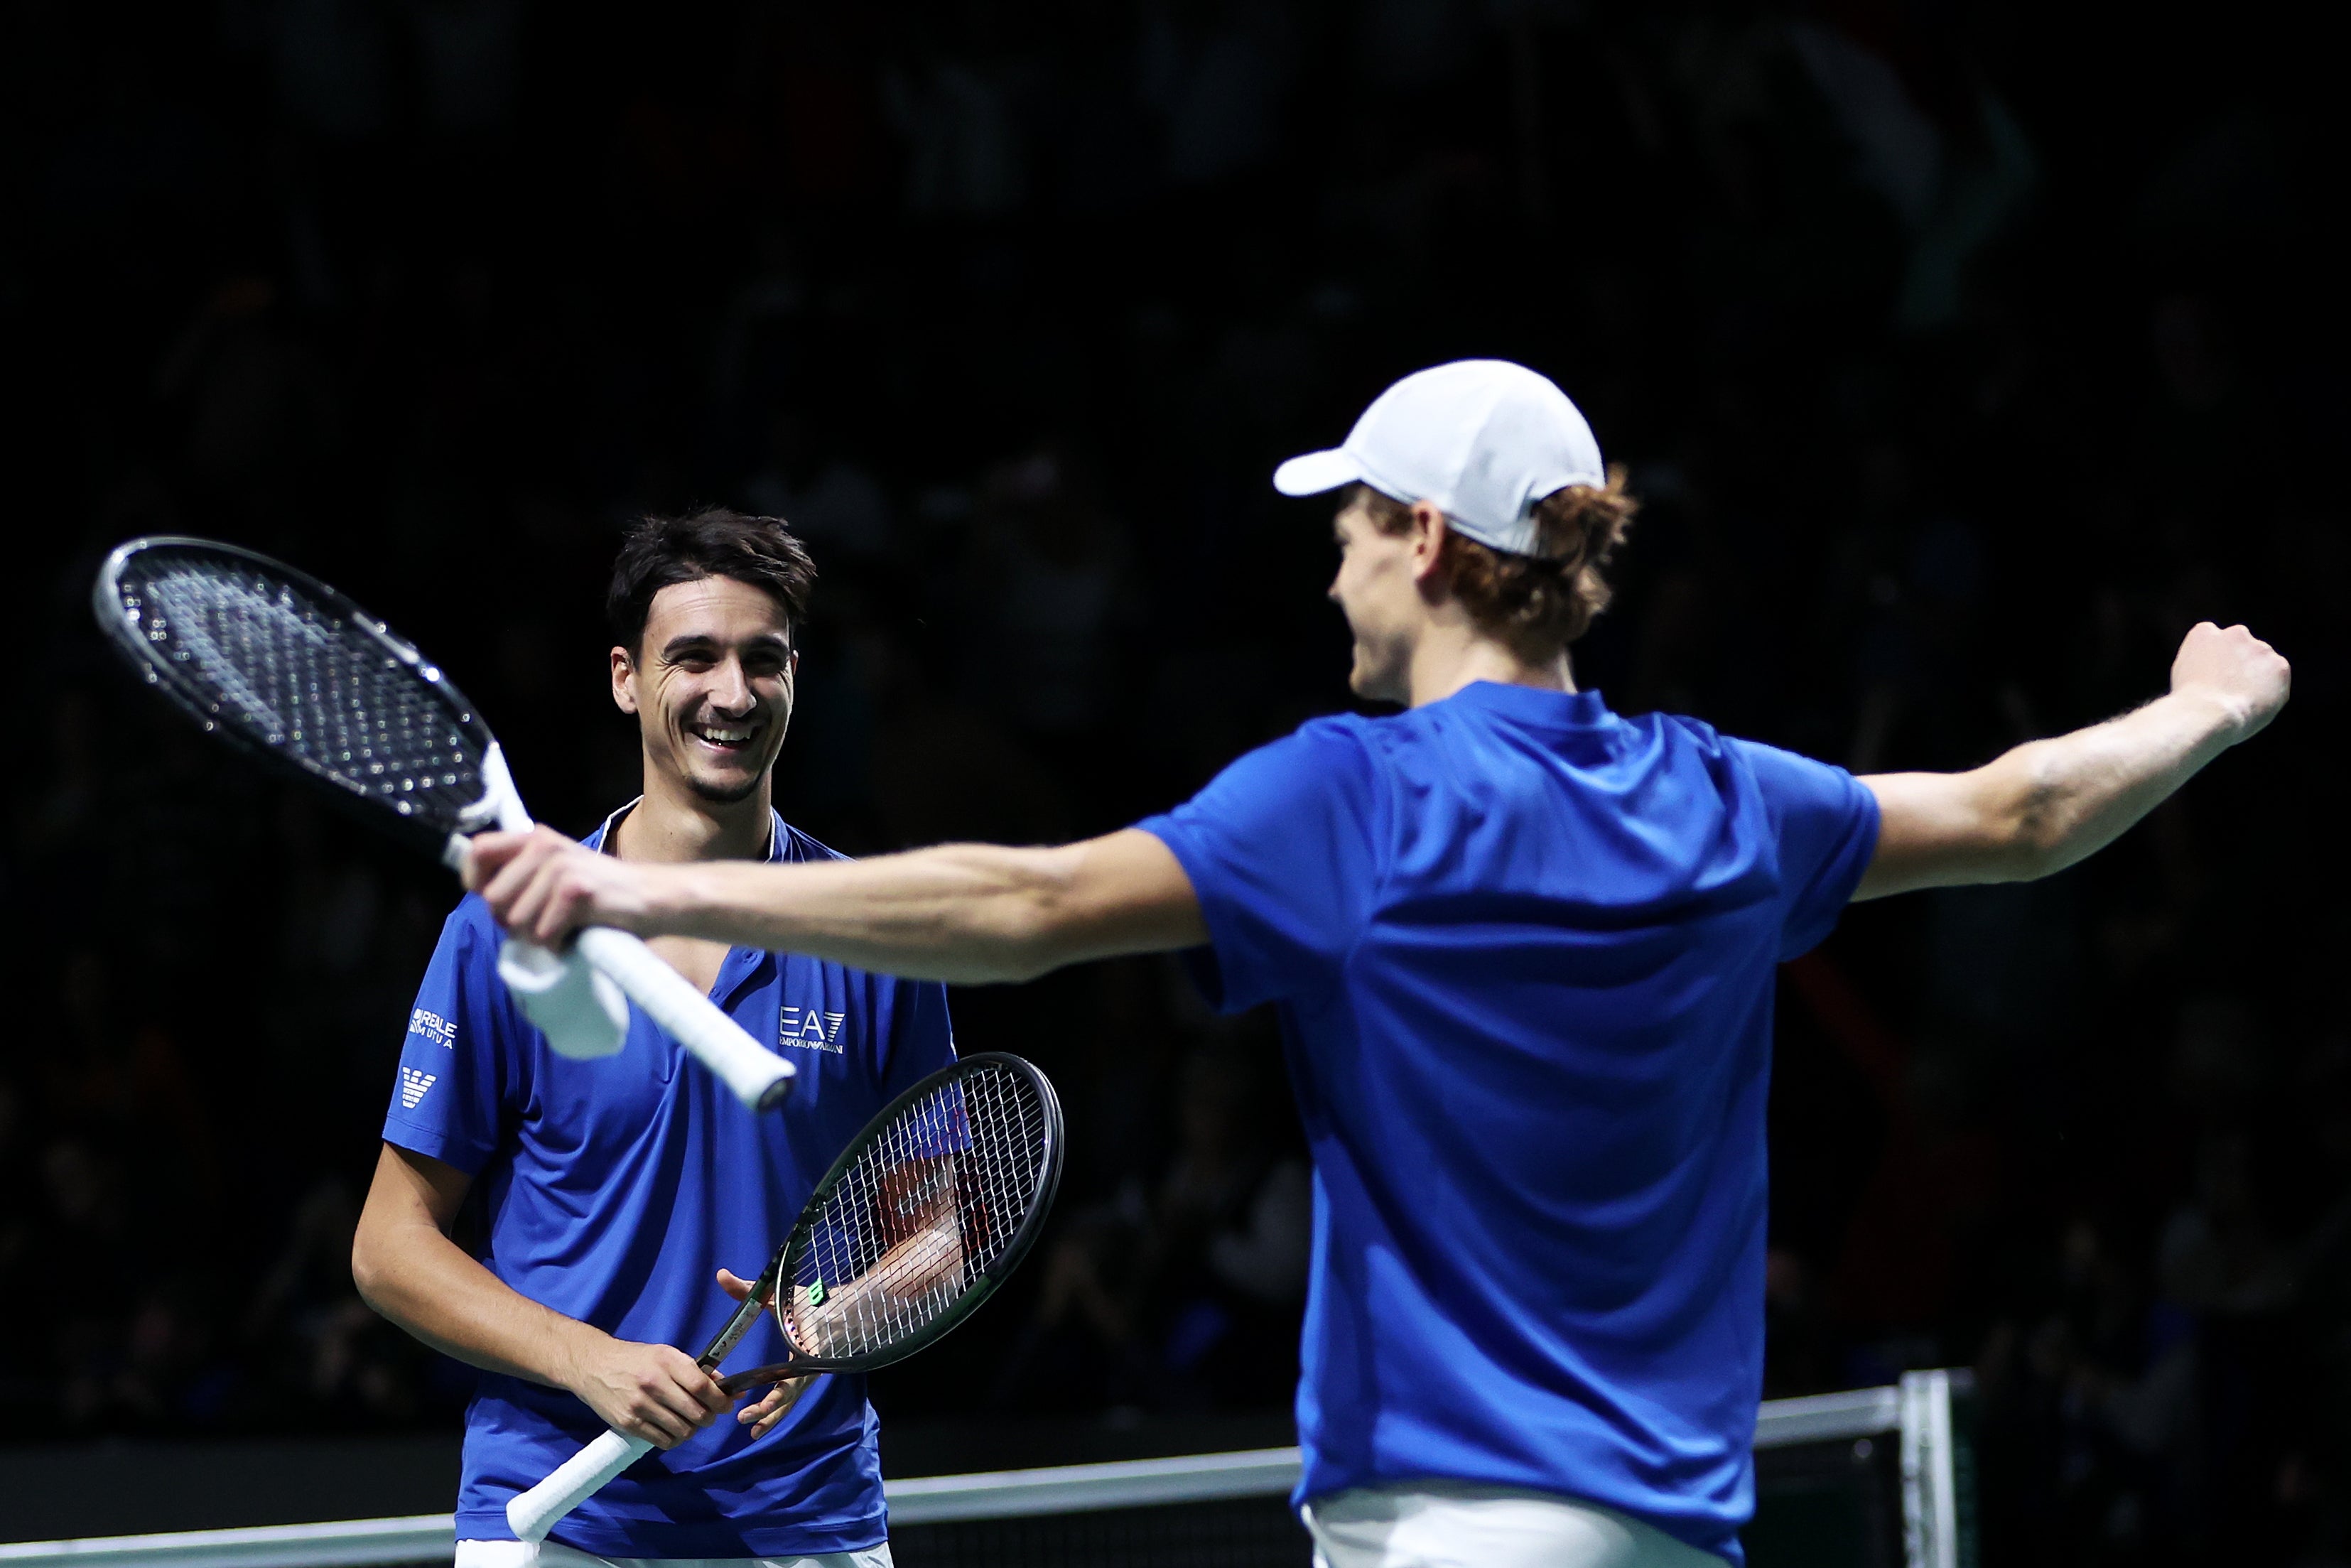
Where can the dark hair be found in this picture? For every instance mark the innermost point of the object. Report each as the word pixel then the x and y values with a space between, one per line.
pixel 1537 603
pixel 712 542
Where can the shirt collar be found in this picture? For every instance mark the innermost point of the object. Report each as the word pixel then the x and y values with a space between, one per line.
pixel 1534 704
pixel 600 841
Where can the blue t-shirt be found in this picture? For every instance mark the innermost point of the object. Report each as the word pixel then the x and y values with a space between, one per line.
pixel 1523 952
pixel 615 1189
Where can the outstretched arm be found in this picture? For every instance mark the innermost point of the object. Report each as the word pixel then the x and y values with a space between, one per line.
pixel 2047 804
pixel 967 913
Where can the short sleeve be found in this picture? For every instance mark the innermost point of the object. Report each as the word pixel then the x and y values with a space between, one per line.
pixel 449 1096
pixel 1827 820
pixel 1284 853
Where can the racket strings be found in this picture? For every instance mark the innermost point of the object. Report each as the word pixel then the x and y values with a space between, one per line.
pixel 920 1215
pixel 300 677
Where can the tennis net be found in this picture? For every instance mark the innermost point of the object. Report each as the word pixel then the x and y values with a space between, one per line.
pixel 1878 1477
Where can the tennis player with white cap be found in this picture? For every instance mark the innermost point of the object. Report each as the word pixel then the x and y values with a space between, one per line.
pixel 1522 948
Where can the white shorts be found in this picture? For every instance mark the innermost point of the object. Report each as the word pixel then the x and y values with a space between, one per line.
pixel 1443 1524
pixel 554 1554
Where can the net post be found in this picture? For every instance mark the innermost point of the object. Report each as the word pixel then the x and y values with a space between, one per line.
pixel 1937 1471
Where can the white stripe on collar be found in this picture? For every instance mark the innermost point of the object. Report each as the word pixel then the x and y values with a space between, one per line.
pixel 775 832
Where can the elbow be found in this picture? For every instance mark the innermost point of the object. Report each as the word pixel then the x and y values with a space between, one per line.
pixel 1017 969
pixel 371 1270
pixel 2022 852
pixel 365 1275
pixel 1030 947
pixel 2035 834
pixel 2022 863
pixel 1033 930
pixel 2036 860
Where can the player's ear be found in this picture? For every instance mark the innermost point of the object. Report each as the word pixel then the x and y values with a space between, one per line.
pixel 1429 530
pixel 624 681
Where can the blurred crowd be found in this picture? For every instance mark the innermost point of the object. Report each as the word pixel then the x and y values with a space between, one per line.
pixel 1963 357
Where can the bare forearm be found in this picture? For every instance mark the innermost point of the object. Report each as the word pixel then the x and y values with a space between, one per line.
pixel 2048 804
pixel 2043 806
pixel 2078 793
pixel 428 1285
pixel 972 914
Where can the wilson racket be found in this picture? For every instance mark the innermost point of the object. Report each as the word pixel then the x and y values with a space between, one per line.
pixel 295 674
pixel 914 1226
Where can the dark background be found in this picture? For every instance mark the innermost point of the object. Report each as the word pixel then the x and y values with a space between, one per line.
pixel 1964 355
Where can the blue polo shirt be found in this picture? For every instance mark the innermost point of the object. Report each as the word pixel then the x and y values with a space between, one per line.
pixel 615 1189
pixel 1524 954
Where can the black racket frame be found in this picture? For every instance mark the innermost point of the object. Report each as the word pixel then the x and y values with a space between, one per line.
pixel 425 831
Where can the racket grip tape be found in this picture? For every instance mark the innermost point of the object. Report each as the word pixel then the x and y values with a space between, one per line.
pixel 533 1513
pixel 758 1078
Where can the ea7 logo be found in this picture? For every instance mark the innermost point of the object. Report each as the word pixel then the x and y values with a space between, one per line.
pixel 413 1085
pixel 809 1030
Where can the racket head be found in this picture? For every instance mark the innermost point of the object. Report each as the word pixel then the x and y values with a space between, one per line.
pixel 970 1159
pixel 301 678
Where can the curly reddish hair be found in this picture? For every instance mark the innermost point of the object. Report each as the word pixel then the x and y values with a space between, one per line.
pixel 1539 603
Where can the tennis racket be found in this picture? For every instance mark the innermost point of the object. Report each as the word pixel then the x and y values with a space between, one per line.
pixel 294 673
pixel 917 1222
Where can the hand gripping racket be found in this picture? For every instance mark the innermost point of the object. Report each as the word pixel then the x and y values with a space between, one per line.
pixel 294 673
pixel 914 1226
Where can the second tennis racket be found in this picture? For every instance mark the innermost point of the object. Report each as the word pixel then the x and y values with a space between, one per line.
pixel 931 1205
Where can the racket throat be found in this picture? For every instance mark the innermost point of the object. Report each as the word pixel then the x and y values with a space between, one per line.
pixel 764 1376
pixel 500 807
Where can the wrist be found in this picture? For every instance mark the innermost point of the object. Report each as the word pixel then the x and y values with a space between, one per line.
pixel 2224 717
pixel 575 1345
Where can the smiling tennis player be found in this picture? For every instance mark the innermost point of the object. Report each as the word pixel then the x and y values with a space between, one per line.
pixel 613 1193
pixel 1523 951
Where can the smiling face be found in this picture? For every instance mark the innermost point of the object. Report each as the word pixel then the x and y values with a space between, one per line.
pixel 1378 590
pixel 711 685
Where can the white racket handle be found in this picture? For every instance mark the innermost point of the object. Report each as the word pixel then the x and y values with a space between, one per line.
pixel 533 1513
pixel 760 1079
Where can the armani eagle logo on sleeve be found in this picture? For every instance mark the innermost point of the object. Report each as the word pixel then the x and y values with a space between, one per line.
pixel 809 1030
pixel 413 1085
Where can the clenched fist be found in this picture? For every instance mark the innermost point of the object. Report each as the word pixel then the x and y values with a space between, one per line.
pixel 2238 670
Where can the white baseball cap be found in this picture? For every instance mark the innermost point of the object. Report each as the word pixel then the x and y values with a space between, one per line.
pixel 1484 439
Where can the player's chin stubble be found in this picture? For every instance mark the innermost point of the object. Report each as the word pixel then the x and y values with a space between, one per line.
pixel 727 788
pixel 719 794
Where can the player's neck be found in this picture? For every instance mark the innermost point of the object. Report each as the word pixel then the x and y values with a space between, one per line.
pixel 1449 657
pixel 673 824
